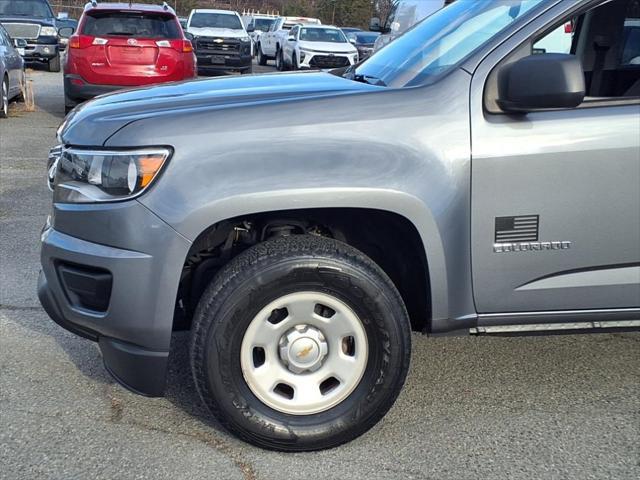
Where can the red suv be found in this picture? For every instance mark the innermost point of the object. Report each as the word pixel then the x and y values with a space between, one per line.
pixel 121 45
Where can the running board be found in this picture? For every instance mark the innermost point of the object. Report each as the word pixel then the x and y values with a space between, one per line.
pixel 551 327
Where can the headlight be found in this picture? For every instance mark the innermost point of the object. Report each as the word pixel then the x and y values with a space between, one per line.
pixel 48 31
pixel 87 176
pixel 245 39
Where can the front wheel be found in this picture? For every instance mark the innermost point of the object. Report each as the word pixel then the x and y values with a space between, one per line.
pixel 300 343
pixel 294 62
pixel 280 66
pixel 262 58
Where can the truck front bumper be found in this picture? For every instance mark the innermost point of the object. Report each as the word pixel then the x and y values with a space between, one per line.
pixel 40 52
pixel 241 63
pixel 123 298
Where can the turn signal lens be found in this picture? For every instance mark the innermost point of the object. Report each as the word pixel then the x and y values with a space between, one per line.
pixel 148 167
pixel 84 41
pixel 187 47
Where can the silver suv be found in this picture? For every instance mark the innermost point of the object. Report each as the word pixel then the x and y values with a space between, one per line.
pixel 301 224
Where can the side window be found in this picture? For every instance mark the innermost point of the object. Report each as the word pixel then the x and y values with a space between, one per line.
pixel 606 40
pixel 294 32
pixel 558 41
pixel 630 54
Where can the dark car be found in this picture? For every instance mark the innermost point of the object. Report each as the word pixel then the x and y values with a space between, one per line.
pixel 11 71
pixel 364 42
pixel 33 21
pixel 349 30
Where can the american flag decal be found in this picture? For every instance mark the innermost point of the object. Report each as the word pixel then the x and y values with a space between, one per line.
pixel 523 228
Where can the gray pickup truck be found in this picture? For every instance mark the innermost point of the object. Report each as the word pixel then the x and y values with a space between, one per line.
pixel 462 179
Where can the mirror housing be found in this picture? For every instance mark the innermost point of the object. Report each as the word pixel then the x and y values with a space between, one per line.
pixel 66 32
pixel 20 43
pixel 189 36
pixel 374 25
pixel 291 39
pixel 251 29
pixel 539 82
pixel 352 41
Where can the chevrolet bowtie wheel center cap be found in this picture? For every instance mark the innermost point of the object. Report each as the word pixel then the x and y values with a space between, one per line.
pixel 303 348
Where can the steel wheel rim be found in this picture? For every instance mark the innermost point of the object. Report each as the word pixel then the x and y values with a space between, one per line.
pixel 304 353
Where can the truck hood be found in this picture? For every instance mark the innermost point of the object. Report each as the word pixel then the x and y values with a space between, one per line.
pixel 216 32
pixel 95 121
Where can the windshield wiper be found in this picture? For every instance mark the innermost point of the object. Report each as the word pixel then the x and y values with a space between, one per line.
pixel 368 79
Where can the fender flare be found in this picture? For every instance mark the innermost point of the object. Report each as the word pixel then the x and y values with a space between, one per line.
pixel 399 203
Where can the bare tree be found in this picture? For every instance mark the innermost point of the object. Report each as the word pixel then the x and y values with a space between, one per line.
pixel 384 9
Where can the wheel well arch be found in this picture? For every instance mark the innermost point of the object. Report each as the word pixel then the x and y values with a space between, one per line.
pixel 389 239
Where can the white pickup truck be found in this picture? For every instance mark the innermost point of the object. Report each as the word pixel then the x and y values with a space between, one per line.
pixel 271 42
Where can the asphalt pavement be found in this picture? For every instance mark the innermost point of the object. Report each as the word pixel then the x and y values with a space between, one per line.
pixel 546 407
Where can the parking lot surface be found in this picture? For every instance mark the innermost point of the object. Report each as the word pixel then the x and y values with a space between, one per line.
pixel 546 407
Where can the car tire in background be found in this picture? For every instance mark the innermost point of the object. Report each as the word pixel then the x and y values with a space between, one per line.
pixel 262 58
pixel 280 60
pixel 329 328
pixel 23 85
pixel 54 64
pixel 294 62
pixel 4 98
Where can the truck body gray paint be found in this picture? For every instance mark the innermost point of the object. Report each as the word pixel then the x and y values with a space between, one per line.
pixel 431 154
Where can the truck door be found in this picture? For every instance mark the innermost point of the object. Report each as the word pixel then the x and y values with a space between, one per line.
pixel 556 193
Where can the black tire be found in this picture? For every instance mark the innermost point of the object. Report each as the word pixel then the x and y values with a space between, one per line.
pixel 23 85
pixel 262 58
pixel 54 64
pixel 294 62
pixel 264 273
pixel 279 61
pixel 4 98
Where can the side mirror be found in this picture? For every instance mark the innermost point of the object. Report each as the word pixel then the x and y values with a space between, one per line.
pixel 537 82
pixel 189 36
pixel 352 41
pixel 292 39
pixel 374 24
pixel 251 29
pixel 66 32
pixel 20 43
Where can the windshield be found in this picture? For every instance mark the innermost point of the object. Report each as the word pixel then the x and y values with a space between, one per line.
pixel 215 20
pixel 406 13
pixel 365 38
pixel 329 35
pixel 263 24
pixel 26 8
pixel 440 42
